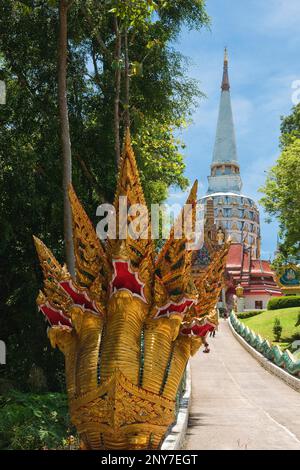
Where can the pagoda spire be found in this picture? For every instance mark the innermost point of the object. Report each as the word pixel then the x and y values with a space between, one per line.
pixel 225 81
pixel 225 170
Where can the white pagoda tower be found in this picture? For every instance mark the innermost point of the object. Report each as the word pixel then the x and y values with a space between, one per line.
pixel 236 215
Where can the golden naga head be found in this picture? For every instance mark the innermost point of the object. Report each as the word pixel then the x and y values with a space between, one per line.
pixel 127 324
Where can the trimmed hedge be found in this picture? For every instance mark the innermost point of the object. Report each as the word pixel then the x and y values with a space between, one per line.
pixel 284 302
pixel 251 313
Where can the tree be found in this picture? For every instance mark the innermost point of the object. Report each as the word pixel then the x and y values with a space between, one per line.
pixel 290 127
pixel 117 90
pixel 282 191
pixel 282 196
pixel 161 101
pixel 64 6
pixel 277 330
pixel 130 16
pixel 154 88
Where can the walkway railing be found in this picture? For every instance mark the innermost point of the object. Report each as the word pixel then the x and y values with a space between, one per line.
pixel 284 359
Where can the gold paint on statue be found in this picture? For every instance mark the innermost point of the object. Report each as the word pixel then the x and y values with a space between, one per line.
pixel 125 345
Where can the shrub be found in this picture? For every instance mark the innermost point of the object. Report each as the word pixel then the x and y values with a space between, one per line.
pixel 222 312
pixel 29 421
pixel 277 329
pixel 284 302
pixel 251 313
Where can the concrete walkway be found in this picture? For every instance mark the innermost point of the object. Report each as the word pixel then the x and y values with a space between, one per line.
pixel 236 404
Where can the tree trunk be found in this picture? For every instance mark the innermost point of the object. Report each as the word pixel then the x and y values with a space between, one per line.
pixel 127 81
pixel 117 92
pixel 65 131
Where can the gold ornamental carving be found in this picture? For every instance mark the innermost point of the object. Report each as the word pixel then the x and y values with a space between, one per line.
pixel 127 324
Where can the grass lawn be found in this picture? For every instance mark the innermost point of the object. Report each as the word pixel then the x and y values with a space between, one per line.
pixel 263 324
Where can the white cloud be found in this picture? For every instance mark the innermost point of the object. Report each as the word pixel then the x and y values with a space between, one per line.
pixel 277 93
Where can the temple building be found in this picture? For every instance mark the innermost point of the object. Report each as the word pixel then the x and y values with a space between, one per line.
pixel 230 213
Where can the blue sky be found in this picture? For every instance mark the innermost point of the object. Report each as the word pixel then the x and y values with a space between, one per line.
pixel 263 40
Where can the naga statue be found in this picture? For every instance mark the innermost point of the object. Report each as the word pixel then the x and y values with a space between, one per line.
pixel 127 324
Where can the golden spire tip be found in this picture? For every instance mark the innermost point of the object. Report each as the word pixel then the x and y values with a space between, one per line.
pixel 225 55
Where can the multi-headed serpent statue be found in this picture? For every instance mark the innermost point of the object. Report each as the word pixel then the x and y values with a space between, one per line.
pixel 127 325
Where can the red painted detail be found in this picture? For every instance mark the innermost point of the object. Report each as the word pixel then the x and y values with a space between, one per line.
pixel 125 278
pixel 171 308
pixel 255 275
pixel 198 330
pixel 79 297
pixel 235 255
pixel 54 316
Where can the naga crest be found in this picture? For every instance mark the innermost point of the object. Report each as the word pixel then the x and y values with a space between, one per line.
pixel 128 324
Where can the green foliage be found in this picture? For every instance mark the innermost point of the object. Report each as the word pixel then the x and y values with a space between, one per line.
pixel 30 421
pixel 162 98
pixel 277 329
pixel 133 12
pixel 282 192
pixel 263 324
pixel 284 302
pixel 282 196
pixel 222 312
pixel 279 260
pixel 251 313
pixel 173 13
pixel 166 167
pixel 290 127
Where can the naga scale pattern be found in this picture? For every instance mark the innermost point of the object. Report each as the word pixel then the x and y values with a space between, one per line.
pixel 285 360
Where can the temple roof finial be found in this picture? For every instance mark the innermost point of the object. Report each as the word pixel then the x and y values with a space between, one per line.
pixel 225 81
pixel 225 55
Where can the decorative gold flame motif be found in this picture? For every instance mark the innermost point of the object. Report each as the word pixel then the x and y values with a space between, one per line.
pixel 128 324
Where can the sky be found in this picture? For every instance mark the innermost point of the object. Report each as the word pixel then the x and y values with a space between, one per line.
pixel 263 41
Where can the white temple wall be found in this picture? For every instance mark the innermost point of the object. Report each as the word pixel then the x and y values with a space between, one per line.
pixel 251 299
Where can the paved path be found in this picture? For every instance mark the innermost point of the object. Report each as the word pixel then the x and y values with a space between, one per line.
pixel 236 404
